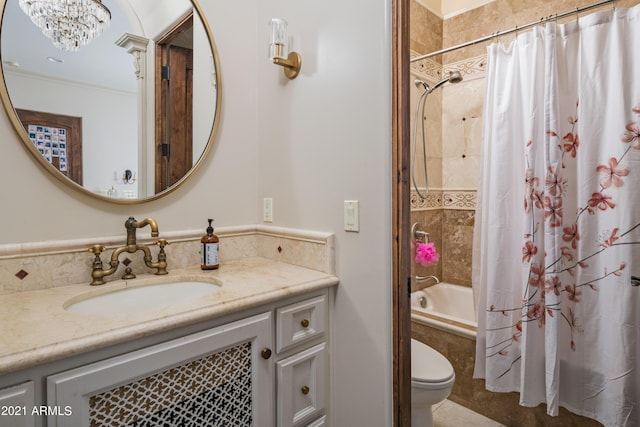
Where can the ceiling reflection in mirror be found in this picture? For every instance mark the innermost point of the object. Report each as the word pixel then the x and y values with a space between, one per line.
pixel 129 116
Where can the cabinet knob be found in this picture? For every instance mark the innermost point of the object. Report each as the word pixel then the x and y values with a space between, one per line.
pixel 304 323
pixel 305 390
pixel 266 353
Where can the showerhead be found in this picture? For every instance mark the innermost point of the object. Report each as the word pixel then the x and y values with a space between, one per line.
pixel 454 77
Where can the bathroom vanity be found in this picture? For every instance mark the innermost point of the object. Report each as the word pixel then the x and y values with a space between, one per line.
pixel 254 352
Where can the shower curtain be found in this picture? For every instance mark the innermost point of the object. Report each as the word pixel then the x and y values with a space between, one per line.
pixel 557 240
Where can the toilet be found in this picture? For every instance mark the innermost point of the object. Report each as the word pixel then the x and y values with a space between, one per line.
pixel 432 378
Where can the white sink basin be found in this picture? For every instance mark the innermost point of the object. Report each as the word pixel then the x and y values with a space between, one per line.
pixel 137 298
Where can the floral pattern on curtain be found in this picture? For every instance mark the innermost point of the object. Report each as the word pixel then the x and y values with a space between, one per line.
pixel 557 238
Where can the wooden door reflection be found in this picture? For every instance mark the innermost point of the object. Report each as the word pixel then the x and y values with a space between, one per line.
pixel 58 138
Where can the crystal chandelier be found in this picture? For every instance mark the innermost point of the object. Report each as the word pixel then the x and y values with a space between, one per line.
pixel 70 24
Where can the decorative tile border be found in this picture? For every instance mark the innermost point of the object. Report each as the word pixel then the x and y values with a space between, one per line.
pixel 459 199
pixel 455 199
pixel 432 71
pixel 469 68
pixel 426 69
pixel 432 201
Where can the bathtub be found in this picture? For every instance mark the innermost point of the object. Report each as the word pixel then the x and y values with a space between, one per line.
pixel 449 308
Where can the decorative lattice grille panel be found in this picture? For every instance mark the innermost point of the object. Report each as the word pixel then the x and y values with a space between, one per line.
pixel 212 391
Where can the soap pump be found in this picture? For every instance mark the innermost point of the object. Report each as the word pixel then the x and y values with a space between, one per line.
pixel 209 247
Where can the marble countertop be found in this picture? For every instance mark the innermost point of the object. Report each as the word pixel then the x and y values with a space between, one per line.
pixel 35 328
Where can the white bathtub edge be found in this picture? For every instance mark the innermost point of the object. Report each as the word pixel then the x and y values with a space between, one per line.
pixel 446 327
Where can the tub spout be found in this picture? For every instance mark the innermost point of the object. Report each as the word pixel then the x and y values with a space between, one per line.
pixel 430 281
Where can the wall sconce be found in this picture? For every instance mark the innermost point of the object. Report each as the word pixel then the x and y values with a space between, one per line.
pixel 278 49
pixel 128 177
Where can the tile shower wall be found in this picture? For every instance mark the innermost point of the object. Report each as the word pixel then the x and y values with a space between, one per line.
pixel 451 231
pixel 501 15
pixel 451 128
pixel 431 221
pixel 427 37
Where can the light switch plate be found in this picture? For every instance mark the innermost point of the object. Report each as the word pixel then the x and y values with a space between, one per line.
pixel 351 215
pixel 267 209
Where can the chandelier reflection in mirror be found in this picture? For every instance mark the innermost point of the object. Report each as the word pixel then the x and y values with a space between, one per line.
pixel 70 24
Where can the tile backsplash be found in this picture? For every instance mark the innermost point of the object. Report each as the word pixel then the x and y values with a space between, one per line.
pixel 39 265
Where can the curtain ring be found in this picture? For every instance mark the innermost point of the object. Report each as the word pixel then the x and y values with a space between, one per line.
pixel 577 14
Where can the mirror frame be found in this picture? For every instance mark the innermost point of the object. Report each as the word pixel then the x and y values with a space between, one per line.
pixel 22 132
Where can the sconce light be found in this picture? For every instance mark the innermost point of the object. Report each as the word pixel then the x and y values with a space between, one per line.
pixel 128 177
pixel 278 49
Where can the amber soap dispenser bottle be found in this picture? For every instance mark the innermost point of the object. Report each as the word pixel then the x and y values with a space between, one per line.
pixel 209 249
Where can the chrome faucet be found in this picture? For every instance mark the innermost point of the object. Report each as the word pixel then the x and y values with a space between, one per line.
pixel 98 273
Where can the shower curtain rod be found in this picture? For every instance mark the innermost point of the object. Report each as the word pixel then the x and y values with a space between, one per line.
pixel 543 20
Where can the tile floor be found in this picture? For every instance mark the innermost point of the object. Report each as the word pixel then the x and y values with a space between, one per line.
pixel 450 414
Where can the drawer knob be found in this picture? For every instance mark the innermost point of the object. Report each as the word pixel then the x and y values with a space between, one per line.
pixel 305 390
pixel 266 353
pixel 304 323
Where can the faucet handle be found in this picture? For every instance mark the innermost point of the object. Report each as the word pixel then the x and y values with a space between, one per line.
pixel 162 243
pixel 97 249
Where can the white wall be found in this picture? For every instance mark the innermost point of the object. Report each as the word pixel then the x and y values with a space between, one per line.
pixel 309 143
pixel 324 138
pixel 156 17
pixel 107 149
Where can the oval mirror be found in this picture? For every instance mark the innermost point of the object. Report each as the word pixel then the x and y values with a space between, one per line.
pixel 125 118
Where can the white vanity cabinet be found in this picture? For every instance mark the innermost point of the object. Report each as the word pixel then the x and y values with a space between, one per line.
pixel 215 377
pixel 16 405
pixel 262 370
pixel 302 363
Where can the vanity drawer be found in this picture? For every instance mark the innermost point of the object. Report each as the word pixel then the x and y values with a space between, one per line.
pixel 297 323
pixel 301 391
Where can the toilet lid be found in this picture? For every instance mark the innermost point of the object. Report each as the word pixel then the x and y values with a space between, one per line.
pixel 427 365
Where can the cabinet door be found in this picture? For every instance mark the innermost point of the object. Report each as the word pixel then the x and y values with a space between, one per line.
pixel 16 405
pixel 301 386
pixel 216 377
